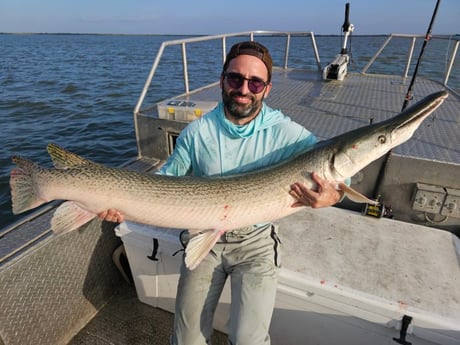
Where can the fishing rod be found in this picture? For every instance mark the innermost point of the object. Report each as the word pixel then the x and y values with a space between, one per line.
pixel 425 41
pixel 379 210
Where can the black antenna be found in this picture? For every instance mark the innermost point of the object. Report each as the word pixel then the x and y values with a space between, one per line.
pixel 346 23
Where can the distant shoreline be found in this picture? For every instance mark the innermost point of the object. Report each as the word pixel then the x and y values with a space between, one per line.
pixel 85 34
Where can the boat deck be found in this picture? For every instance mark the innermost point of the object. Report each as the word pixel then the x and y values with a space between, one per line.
pixel 329 108
pixel 326 108
pixel 127 321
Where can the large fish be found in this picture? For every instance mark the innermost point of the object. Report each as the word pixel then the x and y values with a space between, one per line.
pixel 210 205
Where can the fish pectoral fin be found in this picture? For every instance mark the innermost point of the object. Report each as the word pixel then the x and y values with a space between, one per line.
pixel 355 196
pixel 199 245
pixel 69 216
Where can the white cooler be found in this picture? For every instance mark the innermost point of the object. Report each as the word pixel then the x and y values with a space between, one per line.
pixel 346 279
pixel 156 280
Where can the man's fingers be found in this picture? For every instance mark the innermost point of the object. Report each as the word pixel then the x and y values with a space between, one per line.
pixel 111 215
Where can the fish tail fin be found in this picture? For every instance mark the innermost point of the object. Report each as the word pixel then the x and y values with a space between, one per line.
pixel 24 191
pixel 63 159
pixel 69 216
pixel 199 246
pixel 355 196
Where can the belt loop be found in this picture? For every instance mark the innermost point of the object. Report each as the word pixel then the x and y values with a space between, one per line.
pixel 224 237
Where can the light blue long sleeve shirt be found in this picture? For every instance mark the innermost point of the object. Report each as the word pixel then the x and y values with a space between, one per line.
pixel 214 146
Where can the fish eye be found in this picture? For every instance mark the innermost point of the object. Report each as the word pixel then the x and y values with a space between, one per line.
pixel 382 139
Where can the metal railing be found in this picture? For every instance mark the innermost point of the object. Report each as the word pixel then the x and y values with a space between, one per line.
pixel 412 40
pixel 184 43
pixel 223 38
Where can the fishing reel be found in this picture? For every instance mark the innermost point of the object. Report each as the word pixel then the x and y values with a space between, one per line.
pixel 378 211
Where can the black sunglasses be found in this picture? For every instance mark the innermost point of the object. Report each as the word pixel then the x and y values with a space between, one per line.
pixel 236 80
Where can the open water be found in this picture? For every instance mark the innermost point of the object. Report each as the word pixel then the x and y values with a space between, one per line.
pixel 79 91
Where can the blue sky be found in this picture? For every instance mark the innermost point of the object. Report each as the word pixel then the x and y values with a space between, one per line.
pixel 214 16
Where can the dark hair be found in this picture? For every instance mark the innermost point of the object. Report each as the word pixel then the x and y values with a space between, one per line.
pixel 250 48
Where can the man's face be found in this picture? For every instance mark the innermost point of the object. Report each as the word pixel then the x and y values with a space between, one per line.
pixel 242 105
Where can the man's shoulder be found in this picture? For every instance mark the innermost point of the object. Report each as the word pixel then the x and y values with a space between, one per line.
pixel 289 128
pixel 289 132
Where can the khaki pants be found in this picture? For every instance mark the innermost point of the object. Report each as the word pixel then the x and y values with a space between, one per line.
pixel 250 257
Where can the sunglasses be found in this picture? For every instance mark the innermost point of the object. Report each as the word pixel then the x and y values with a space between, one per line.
pixel 236 80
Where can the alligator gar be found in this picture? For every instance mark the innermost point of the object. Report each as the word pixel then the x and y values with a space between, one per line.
pixel 211 205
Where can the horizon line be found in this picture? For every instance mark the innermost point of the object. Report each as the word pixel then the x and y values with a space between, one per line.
pixel 197 34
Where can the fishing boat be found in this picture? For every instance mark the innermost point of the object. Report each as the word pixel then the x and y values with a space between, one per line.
pixel 386 274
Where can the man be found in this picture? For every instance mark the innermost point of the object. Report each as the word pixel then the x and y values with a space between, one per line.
pixel 241 134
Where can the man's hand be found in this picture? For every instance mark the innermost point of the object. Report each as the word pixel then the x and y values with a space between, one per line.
pixel 325 196
pixel 112 215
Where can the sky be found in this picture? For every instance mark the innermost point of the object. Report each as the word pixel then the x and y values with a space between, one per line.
pixel 215 17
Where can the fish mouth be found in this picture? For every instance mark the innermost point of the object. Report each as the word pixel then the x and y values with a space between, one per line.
pixel 354 147
pixel 420 111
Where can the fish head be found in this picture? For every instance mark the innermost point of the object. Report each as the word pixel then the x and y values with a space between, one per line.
pixel 356 149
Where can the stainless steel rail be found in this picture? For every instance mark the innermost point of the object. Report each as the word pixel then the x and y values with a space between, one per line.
pixel 412 39
pixel 187 41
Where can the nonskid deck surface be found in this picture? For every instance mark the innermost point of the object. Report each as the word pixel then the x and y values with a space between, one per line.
pixel 127 321
pixel 329 108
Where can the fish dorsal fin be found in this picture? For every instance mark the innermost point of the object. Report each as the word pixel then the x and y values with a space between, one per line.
pixel 63 159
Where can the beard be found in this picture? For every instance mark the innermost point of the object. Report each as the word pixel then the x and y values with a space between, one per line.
pixel 241 111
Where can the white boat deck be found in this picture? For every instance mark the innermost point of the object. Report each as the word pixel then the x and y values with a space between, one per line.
pixel 410 266
pixel 339 268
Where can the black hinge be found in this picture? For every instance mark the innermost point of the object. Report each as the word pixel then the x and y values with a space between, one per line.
pixel 153 257
pixel 405 322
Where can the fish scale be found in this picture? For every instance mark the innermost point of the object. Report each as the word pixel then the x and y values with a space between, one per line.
pixel 220 204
